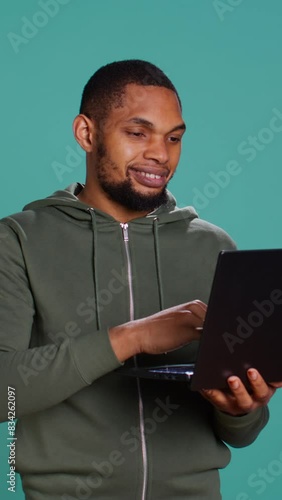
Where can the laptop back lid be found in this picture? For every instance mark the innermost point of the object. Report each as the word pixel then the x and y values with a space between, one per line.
pixel 243 326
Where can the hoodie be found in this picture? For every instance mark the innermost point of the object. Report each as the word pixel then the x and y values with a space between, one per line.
pixel 68 273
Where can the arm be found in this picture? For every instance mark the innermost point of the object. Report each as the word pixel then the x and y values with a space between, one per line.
pixel 161 332
pixel 44 376
pixel 240 431
pixel 239 414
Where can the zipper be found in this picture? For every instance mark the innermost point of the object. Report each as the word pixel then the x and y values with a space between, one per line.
pixel 124 228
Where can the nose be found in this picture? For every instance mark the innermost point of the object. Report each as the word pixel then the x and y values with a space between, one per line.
pixel 157 150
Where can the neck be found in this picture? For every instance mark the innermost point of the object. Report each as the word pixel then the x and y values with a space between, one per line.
pixel 110 207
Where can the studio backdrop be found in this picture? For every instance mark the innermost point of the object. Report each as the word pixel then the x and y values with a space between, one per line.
pixel 224 57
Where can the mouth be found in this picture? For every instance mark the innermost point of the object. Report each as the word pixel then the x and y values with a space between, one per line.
pixel 154 177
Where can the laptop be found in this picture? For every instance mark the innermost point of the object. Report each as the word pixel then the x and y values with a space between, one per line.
pixel 242 328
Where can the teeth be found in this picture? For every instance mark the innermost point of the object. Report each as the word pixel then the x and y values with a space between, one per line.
pixel 150 176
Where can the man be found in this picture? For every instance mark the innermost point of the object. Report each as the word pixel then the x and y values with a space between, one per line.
pixel 109 273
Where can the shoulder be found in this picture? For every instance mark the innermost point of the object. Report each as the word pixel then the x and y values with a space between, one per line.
pixel 211 230
pixel 19 221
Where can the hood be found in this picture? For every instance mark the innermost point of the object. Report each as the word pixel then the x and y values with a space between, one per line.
pixel 66 200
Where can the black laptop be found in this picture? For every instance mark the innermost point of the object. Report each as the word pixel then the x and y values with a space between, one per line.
pixel 243 325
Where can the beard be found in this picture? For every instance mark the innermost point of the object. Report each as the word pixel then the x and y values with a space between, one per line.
pixel 123 192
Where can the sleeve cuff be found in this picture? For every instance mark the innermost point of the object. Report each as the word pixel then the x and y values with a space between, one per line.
pixel 93 355
pixel 240 431
pixel 241 421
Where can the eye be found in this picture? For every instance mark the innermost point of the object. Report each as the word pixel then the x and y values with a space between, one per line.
pixel 174 139
pixel 136 134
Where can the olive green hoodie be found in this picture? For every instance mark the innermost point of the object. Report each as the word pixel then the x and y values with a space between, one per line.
pixel 67 273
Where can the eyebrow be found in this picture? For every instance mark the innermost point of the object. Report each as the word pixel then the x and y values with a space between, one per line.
pixel 141 121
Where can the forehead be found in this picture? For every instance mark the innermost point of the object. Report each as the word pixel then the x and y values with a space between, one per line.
pixel 155 104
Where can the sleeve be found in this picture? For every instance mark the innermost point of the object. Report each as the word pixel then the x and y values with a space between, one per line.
pixel 240 431
pixel 41 376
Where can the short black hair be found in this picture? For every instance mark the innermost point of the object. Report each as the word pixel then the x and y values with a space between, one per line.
pixel 106 87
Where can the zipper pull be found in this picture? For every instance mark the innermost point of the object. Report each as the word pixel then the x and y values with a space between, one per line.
pixel 124 228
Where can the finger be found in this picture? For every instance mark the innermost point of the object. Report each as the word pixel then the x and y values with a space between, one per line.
pixel 218 398
pixel 262 392
pixel 193 320
pixel 191 326
pixel 242 397
pixel 197 308
pixel 201 304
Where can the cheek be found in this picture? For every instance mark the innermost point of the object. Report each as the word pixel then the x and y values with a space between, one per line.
pixel 126 152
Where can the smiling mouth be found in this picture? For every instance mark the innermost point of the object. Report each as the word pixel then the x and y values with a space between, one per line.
pixel 150 176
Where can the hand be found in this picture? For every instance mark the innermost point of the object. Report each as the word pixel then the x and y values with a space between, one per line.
pixel 238 400
pixel 161 332
pixel 171 328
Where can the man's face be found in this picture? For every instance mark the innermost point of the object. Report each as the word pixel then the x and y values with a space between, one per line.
pixel 138 148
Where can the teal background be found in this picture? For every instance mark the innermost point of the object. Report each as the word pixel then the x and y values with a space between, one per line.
pixel 225 59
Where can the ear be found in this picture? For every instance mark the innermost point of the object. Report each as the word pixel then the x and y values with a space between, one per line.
pixel 84 131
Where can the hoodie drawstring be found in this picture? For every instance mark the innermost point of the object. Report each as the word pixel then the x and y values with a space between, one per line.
pixel 95 270
pixel 95 266
pixel 158 265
